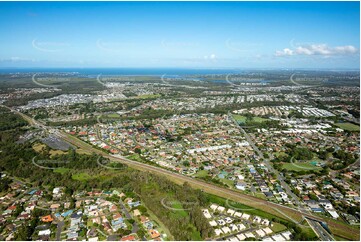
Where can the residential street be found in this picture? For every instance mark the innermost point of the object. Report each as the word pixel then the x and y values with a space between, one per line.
pixel 59 229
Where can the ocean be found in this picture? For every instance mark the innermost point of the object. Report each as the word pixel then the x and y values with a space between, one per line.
pixel 122 71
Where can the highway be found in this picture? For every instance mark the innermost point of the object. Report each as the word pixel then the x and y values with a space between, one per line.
pixel 289 213
pixel 320 231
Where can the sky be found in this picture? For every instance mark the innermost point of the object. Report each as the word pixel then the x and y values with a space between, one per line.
pixel 180 34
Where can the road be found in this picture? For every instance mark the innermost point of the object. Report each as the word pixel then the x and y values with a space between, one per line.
pixel 59 229
pixel 268 164
pixel 321 232
pixel 278 209
pixel 304 210
pixel 135 227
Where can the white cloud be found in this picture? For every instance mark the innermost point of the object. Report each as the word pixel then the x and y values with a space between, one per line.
pixel 348 49
pixel 284 52
pixel 318 49
pixel 211 57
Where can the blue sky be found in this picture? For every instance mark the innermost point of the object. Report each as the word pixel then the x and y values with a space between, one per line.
pixel 180 34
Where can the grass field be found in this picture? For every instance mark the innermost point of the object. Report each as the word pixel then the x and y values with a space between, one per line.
pixel 82 151
pixel 280 154
pixel 113 115
pixel 228 182
pixel 277 227
pixel 179 213
pixel 61 170
pixel 337 238
pixel 57 152
pixel 81 176
pixel 201 173
pixel 243 119
pixel 259 120
pixel 38 147
pixel 135 157
pixel 239 118
pixel 298 166
pixel 147 96
pixel 348 126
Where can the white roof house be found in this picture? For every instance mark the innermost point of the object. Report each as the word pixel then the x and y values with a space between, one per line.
pixel 233 239
pixel 241 237
pixel 278 237
pixel 230 211
pixel 246 216
pixel 221 222
pixel 228 220
pixel 44 232
pixel 206 213
pixel 260 233
pixel 237 214
pixel 265 222
pixel 221 209
pixel 257 219
pixel 214 207
pixel 234 227
pixel 226 230
pixel 56 190
pixel 267 230
pixel 249 235
pixel 287 235
pixel 333 213
pixel 218 232
pixel 240 177
pixel 241 227
pixel 241 186
pixel 213 223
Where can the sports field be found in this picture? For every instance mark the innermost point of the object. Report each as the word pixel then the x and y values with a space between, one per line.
pixel 348 126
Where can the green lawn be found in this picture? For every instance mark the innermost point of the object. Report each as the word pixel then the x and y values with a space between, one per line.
pixel 81 176
pixel 196 236
pixel 147 96
pixel 300 166
pixel 259 120
pixel 227 182
pixel 277 227
pixel 201 173
pixel 337 238
pixel 179 213
pixel 135 157
pixel 243 119
pixel 279 154
pixel 61 170
pixel 113 115
pixel 239 118
pixel 348 126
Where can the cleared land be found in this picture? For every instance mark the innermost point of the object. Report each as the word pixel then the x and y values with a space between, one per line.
pixel 243 119
pixel 202 173
pixel 81 176
pixel 348 126
pixel 113 115
pixel 300 166
pixel 239 118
